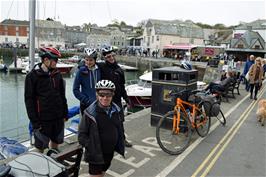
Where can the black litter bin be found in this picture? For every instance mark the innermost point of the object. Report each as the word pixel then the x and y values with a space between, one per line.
pixel 169 79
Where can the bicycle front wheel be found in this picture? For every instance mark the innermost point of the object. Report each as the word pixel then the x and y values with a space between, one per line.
pixel 221 118
pixel 171 142
pixel 202 121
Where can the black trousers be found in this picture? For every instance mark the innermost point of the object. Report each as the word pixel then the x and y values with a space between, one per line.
pixel 257 86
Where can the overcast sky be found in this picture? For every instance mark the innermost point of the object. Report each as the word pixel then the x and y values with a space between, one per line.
pixel 102 12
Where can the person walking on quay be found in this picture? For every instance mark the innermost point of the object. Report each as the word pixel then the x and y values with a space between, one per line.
pixel 264 67
pixel 100 130
pixel 247 66
pixel 45 100
pixel 255 77
pixel 110 70
pixel 86 78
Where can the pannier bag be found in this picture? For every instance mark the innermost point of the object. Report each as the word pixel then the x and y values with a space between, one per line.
pixel 211 106
pixel 34 164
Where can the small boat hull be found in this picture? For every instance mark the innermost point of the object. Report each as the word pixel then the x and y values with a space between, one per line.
pixel 140 101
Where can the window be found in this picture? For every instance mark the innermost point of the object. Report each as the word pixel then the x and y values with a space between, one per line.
pixel 17 39
pixel 17 33
pixel 17 28
pixel 257 47
pixel 5 27
pixel 157 38
pixel 114 43
pixel 114 38
pixel 6 39
pixel 122 43
pixel 152 39
pixel 117 43
pixel 240 46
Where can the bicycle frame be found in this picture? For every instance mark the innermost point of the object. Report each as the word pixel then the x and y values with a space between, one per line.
pixel 180 106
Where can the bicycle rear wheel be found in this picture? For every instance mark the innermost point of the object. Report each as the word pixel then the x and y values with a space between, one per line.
pixel 171 142
pixel 221 118
pixel 202 121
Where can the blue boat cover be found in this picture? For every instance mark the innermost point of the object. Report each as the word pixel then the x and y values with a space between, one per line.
pixel 11 148
pixel 73 111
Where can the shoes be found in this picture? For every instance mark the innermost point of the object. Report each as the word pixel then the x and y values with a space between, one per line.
pixel 251 96
pixel 255 97
pixel 128 144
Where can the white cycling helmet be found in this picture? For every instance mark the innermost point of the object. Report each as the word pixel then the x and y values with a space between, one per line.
pixel 92 53
pixel 106 50
pixel 186 65
pixel 105 85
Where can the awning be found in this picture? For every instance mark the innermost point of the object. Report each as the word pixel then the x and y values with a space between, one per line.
pixel 80 44
pixel 179 46
pixel 245 50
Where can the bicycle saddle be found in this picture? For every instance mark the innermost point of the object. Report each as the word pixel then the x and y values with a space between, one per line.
pixel 4 170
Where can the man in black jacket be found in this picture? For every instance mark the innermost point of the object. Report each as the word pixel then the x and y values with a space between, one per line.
pixel 45 101
pixel 110 70
pixel 100 130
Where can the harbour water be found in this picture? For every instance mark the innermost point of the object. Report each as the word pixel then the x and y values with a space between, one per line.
pixel 13 116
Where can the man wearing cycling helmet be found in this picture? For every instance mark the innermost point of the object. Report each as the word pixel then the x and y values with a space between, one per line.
pixel 100 130
pixel 110 70
pixel 45 100
pixel 86 78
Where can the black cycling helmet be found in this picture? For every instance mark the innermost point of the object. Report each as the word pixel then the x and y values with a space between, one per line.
pixel 49 52
pixel 105 85
pixel 92 53
pixel 106 50
pixel 186 65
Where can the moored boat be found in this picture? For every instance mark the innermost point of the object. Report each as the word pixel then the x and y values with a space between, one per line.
pixel 140 94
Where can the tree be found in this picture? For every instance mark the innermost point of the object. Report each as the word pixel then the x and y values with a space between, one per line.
pixel 115 22
pixel 49 19
pixel 86 27
pixel 142 23
pixel 219 26
pixel 122 23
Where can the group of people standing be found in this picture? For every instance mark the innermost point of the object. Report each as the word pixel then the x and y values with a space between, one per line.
pixel 254 73
pixel 98 86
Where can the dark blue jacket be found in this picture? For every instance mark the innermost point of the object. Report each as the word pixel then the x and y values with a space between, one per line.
pixel 247 66
pixel 89 137
pixel 84 84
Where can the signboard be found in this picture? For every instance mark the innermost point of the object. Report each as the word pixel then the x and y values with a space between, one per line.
pixel 208 51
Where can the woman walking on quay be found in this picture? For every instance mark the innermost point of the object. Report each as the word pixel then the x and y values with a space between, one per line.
pixel 255 77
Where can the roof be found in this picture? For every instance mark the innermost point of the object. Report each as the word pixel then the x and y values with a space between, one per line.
pixel 248 38
pixel 176 27
pixel 257 24
pixel 49 24
pixel 15 22
pixel 99 31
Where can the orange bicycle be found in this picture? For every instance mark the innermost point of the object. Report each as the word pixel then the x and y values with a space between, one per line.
pixel 174 129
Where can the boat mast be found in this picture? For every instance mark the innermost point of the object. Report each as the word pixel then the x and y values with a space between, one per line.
pixel 32 12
